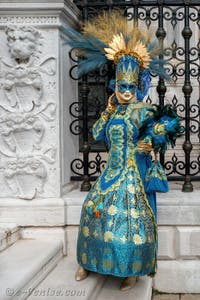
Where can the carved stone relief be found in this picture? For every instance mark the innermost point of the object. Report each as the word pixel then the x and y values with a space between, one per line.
pixel 49 20
pixel 25 114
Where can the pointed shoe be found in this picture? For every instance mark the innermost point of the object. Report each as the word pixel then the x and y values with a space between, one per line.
pixel 81 273
pixel 128 283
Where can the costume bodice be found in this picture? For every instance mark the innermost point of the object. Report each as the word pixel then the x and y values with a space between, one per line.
pixel 121 135
pixel 121 130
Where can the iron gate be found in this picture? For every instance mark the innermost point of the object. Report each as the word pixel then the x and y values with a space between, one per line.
pixel 176 24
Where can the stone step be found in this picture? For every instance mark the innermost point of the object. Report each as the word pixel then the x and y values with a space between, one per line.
pixel 172 206
pixel 9 234
pixel 178 276
pixel 72 236
pixel 25 264
pixel 110 289
pixel 141 291
pixel 61 283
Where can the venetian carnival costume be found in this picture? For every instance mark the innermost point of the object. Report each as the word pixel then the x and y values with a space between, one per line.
pixel 118 231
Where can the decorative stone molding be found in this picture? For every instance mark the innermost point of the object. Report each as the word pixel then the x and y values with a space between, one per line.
pixel 25 114
pixel 26 175
pixel 22 77
pixel 16 129
pixel 22 42
pixel 35 93
pixel 23 88
pixel 38 13
pixel 21 173
pixel 40 20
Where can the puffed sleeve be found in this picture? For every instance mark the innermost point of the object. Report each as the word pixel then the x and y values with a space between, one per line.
pixel 99 127
pixel 142 117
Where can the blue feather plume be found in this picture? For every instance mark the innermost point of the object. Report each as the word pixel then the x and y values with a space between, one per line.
pixel 92 56
pixel 152 45
pixel 156 66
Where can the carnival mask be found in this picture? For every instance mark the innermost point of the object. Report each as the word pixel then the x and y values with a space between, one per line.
pixel 124 86
pixel 125 91
pixel 127 72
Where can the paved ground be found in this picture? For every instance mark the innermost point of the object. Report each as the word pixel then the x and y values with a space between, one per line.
pixel 177 297
pixel 177 185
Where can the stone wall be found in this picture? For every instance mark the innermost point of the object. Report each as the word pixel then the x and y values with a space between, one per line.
pixel 178 242
pixel 35 91
pixel 36 146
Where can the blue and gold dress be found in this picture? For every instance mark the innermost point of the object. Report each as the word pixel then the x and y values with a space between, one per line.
pixel 118 232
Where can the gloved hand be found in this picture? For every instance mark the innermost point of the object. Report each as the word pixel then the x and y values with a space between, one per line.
pixel 111 107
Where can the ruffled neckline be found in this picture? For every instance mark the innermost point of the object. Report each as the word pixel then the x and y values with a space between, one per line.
pixel 123 105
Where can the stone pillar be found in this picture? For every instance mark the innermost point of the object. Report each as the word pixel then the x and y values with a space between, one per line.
pixel 36 146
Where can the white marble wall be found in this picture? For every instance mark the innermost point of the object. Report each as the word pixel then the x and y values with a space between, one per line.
pixel 35 91
pixel 178 242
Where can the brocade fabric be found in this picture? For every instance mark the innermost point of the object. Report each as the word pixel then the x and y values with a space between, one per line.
pixel 118 231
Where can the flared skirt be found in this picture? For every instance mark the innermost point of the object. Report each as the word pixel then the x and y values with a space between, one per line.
pixel 117 232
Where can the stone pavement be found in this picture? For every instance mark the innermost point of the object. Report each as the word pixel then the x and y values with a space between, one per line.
pixel 177 185
pixel 177 297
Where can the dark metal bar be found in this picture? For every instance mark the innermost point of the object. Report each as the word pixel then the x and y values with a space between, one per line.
pixel 85 186
pixel 161 88
pixel 135 3
pixel 130 3
pixel 187 90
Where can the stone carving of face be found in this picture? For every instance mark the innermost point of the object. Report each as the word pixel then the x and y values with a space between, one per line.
pixel 125 92
pixel 22 42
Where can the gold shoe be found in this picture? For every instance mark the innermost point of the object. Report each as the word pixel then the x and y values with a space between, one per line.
pixel 81 273
pixel 128 283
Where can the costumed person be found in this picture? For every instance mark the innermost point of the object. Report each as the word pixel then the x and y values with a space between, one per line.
pixel 118 231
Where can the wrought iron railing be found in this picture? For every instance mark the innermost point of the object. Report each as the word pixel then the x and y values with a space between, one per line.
pixel 176 25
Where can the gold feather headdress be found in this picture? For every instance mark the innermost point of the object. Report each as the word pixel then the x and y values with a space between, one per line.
pixel 114 30
pixel 110 36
